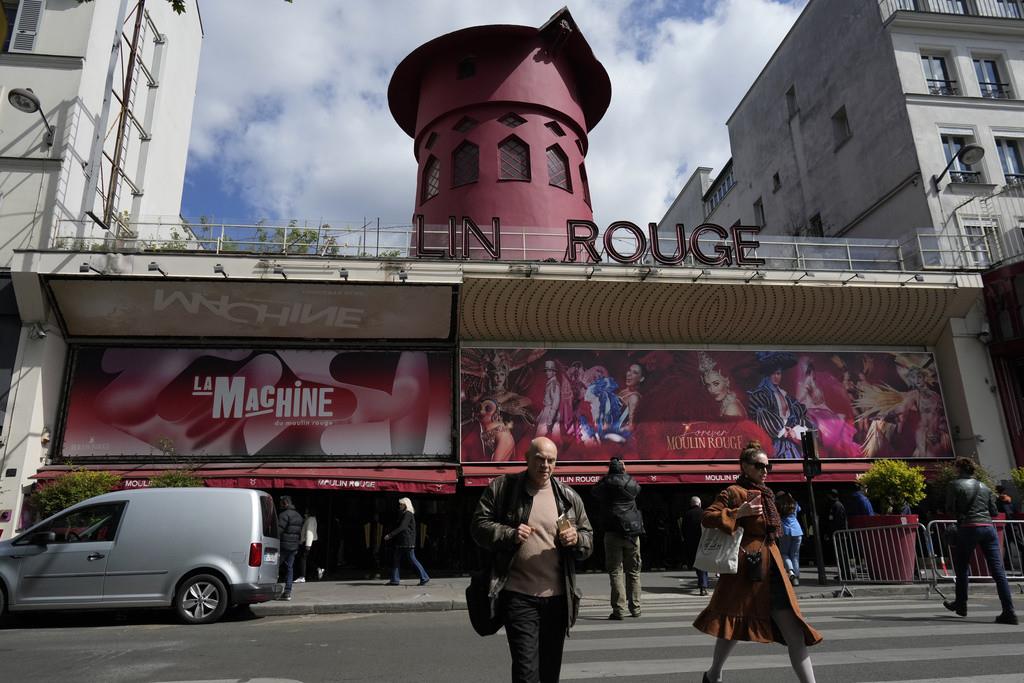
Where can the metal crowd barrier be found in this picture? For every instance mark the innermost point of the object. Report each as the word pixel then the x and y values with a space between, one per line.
pixel 1011 546
pixel 897 553
pixel 915 554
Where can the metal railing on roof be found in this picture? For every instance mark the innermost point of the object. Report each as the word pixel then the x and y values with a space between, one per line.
pixel 1003 9
pixel 924 249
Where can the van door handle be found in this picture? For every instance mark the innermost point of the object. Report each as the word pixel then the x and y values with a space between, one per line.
pixel 95 556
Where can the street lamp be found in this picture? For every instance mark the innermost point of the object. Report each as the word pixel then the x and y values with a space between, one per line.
pixel 968 155
pixel 23 99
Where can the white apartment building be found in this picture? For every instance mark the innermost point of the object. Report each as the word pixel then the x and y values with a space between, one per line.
pixel 841 134
pixel 95 117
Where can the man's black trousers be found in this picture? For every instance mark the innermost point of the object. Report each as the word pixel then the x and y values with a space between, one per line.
pixel 535 628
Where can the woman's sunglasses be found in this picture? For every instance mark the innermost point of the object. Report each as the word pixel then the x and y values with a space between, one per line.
pixel 765 466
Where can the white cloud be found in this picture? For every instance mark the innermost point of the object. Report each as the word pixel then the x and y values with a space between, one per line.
pixel 292 111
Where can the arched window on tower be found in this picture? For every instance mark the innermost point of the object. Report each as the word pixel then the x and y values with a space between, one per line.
pixel 431 183
pixel 558 168
pixel 585 184
pixel 514 159
pixel 465 164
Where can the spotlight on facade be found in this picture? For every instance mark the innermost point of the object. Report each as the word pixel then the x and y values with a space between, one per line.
pixel 87 267
pixel 646 271
pixel 402 275
pixel 218 269
pixel 915 278
pixel 968 155
pixel 853 276
pixel 702 274
pixel 279 270
pixel 343 274
pixel 758 275
pixel 154 267
pixel 806 273
pixel 23 99
pixel 37 331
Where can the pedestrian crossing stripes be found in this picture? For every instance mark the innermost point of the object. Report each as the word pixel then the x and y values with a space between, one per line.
pixel 869 640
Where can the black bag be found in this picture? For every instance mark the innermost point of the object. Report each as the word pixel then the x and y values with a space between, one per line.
pixel 483 613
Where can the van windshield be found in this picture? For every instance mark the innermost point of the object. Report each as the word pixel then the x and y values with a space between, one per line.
pixel 269 516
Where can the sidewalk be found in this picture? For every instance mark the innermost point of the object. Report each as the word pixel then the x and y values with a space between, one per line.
pixel 442 594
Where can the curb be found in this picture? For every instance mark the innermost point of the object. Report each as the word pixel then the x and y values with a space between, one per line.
pixel 277 609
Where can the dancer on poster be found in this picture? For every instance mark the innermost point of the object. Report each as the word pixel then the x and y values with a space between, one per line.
pixel 779 414
pixel 816 392
pixel 719 388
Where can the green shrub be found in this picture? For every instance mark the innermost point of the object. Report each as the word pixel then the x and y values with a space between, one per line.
pixel 176 479
pixel 890 483
pixel 1017 476
pixel 71 488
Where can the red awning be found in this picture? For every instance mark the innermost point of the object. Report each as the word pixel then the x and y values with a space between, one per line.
pixel 672 473
pixel 405 480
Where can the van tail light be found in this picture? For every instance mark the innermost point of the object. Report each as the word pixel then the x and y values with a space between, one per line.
pixel 255 554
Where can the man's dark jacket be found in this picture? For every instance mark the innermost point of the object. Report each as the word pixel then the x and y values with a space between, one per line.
pixel 506 504
pixel 971 501
pixel 289 526
pixel 836 519
pixel 617 494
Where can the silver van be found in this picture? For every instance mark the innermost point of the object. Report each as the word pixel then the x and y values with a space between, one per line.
pixel 197 550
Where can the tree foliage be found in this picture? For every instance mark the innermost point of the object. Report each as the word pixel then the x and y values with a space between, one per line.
pixel 890 483
pixel 71 488
pixel 1017 475
pixel 176 479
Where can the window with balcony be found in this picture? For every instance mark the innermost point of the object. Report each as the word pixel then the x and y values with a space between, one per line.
pixel 513 159
pixel 959 172
pixel 512 120
pixel 430 184
pixel 555 128
pixel 558 168
pixel 936 75
pixel 1010 159
pixel 992 86
pixel 465 164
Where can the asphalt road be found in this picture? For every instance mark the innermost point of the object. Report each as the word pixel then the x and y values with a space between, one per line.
pixel 868 640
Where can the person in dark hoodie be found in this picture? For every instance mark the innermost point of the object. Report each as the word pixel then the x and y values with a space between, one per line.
pixel 623 524
pixel 289 525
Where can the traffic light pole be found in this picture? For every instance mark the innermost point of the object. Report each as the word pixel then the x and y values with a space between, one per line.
pixel 819 555
pixel 812 468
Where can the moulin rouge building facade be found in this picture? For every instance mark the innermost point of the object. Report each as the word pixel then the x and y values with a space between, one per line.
pixel 502 314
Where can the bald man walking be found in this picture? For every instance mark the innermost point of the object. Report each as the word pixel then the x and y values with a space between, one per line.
pixel 536 527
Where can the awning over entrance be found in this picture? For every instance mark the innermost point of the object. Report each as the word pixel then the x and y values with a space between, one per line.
pixel 405 480
pixel 673 473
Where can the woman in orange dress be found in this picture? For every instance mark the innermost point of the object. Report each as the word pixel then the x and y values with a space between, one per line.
pixel 757 603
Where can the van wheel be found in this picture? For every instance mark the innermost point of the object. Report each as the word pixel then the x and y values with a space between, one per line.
pixel 201 599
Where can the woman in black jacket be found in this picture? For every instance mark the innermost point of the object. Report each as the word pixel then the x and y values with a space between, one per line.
pixel 405 545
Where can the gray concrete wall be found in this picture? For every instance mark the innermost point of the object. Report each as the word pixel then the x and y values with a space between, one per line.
pixel 836 55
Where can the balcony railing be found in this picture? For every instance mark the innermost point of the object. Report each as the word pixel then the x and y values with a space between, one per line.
pixel 1003 9
pixel 940 87
pixel 970 177
pixel 1014 179
pixel 995 91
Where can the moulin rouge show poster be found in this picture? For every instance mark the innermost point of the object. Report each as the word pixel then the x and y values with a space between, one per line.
pixel 700 404
pixel 258 402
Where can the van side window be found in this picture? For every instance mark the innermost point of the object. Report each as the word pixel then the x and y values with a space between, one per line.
pixel 269 516
pixel 85 525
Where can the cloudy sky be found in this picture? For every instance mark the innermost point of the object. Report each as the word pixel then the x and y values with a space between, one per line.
pixel 291 117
